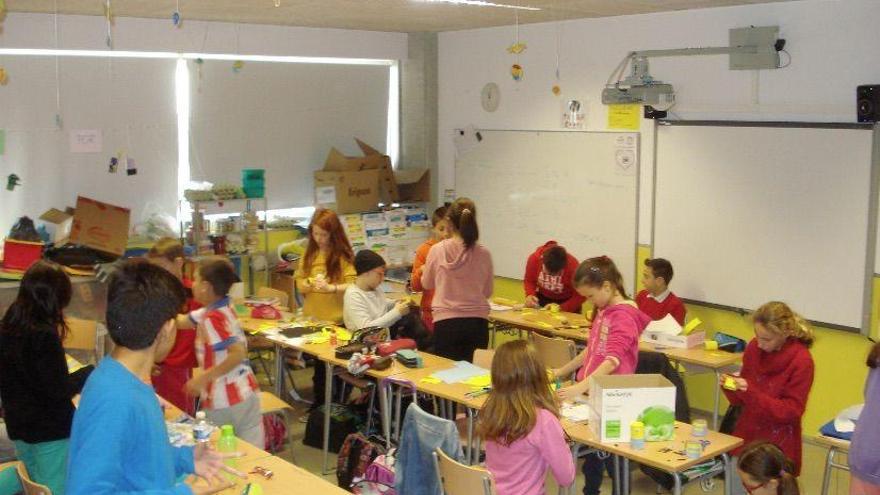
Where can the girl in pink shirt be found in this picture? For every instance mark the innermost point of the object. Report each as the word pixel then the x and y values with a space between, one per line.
pixel 520 424
pixel 613 346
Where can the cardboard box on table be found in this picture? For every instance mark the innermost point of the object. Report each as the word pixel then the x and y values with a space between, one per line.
pixel 100 226
pixel 618 400
pixel 60 222
pixel 358 183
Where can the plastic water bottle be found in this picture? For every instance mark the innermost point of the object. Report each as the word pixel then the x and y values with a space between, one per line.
pixel 201 430
pixel 227 444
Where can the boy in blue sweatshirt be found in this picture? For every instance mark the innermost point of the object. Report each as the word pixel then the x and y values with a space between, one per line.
pixel 119 443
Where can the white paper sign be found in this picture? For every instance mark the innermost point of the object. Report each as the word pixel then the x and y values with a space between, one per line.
pixel 86 141
pixel 325 195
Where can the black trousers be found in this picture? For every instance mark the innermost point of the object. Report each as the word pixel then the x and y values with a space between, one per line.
pixel 592 469
pixel 457 338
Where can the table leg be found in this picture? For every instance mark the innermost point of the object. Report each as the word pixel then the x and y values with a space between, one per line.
pixel 676 489
pixel 385 413
pixel 625 476
pixel 717 400
pixel 328 401
pixel 826 477
pixel 470 437
pixel 279 371
pixel 728 474
pixel 617 474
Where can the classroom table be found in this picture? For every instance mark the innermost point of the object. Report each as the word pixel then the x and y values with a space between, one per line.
pixel 693 359
pixel 835 446
pixel 659 455
pixel 286 478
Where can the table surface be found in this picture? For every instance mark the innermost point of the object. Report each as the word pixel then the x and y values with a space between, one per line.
pixel 286 478
pixel 661 455
pixel 837 443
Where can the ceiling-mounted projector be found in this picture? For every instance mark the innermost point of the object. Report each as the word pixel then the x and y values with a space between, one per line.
pixel 658 95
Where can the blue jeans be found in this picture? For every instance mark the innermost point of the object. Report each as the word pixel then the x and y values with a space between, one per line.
pixel 46 462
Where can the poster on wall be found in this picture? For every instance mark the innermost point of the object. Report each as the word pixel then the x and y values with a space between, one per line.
pixel 86 141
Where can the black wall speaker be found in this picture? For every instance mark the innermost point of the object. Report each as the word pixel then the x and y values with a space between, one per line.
pixel 868 103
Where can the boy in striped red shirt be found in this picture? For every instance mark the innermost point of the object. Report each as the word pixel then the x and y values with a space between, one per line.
pixel 228 388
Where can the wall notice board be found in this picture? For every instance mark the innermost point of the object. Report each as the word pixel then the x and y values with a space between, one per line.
pixel 749 212
pixel 578 188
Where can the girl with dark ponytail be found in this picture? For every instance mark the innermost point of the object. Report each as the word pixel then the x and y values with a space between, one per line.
pixel 764 470
pixel 459 270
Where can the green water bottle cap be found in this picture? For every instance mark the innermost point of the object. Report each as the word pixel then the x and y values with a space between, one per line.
pixel 227 431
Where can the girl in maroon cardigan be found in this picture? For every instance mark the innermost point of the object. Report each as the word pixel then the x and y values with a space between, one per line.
pixel 775 380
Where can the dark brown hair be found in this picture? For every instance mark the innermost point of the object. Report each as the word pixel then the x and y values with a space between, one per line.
pixel 340 248
pixel 220 273
pixel 438 215
pixel 520 387
pixel 554 258
pixel 593 272
pixel 873 360
pixel 43 294
pixel 765 462
pixel 661 268
pixel 462 215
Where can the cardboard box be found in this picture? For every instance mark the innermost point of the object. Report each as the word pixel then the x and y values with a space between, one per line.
pixel 372 160
pixel 695 339
pixel 347 192
pixel 618 400
pixel 59 223
pixel 413 185
pixel 100 226
pixel 286 283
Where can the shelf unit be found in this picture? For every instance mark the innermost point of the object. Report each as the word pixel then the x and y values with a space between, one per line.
pixel 196 211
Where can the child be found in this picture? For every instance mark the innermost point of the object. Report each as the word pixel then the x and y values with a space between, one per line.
pixel 460 272
pixel 227 385
pixel 613 346
pixel 119 442
pixel 775 380
pixel 764 470
pixel 864 456
pixel 549 272
pixel 439 232
pixel 656 300
pixel 520 424
pixel 365 302
pixel 34 382
pixel 176 368
pixel 324 272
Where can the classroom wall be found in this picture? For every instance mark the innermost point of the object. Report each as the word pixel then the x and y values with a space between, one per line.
pixel 830 43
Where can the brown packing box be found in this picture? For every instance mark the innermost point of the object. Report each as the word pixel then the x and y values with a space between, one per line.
pixel 100 226
pixel 62 222
pixel 347 192
pixel 385 189
pixel 413 185
pixel 285 282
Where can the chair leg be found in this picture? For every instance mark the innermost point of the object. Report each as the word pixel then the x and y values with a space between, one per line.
pixel 370 407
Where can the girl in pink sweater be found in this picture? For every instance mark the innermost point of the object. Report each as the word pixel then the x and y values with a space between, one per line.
pixel 613 347
pixel 460 272
pixel 520 424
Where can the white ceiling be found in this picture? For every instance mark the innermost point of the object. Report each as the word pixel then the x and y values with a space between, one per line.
pixel 373 15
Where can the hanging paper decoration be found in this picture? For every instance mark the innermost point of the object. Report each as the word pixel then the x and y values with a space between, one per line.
pixel 556 89
pixel 175 16
pixel 2 9
pixel 516 48
pixel 517 72
pixel 277 3
pixel 108 14
pixel 113 166
pixel 12 181
pixel 130 166
pixel 237 65
pixel 4 77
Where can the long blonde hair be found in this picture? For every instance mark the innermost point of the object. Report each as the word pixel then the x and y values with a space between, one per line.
pixel 520 385
pixel 779 319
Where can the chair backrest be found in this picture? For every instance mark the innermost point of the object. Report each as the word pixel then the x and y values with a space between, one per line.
pixel 483 358
pixel 29 486
pixel 555 352
pixel 459 479
pixel 83 334
pixel 282 297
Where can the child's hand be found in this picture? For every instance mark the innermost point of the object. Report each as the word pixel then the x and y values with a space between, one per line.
pixel 195 385
pixel 733 383
pixel 210 467
pixel 571 392
pixel 402 307
pixel 531 302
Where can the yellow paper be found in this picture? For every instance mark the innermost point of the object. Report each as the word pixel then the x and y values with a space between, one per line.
pixel 431 379
pixel 479 381
pixel 341 333
pixel 624 117
pixel 73 364
pixel 691 326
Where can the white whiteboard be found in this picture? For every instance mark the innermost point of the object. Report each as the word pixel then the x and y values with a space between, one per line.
pixel 578 188
pixel 751 213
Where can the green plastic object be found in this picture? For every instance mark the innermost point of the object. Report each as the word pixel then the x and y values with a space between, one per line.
pixel 227 444
pixel 659 423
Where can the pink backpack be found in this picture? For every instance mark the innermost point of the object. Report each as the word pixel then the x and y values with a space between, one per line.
pixel 378 478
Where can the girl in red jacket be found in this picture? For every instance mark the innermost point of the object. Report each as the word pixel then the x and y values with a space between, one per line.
pixel 775 380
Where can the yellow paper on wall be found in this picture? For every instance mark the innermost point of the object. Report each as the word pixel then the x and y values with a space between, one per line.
pixel 691 326
pixel 627 117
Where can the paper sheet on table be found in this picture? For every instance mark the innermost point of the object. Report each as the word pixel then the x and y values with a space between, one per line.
pixel 845 422
pixel 499 307
pixel 576 412
pixel 460 372
pixel 431 379
pixel 480 381
pixel 666 326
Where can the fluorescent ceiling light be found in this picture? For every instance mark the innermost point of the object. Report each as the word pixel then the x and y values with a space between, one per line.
pixel 481 3
pixel 194 56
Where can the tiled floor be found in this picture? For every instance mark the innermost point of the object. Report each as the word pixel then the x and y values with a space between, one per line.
pixel 811 478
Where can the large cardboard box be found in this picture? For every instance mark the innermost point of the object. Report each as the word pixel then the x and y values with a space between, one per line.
pixel 413 185
pixel 284 281
pixel 347 192
pixel 386 187
pixel 60 223
pixel 100 226
pixel 618 400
